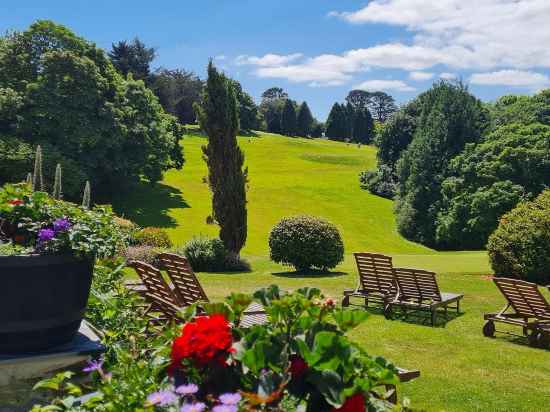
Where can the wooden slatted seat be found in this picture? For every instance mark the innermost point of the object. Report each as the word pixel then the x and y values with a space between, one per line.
pixel 186 290
pixel 525 307
pixel 187 287
pixel 418 289
pixel 376 279
pixel 156 291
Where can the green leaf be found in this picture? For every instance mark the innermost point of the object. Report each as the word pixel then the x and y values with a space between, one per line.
pixel 348 319
pixel 330 384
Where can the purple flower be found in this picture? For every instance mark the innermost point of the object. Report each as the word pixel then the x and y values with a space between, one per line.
pixel 187 389
pixel 61 225
pixel 45 234
pixel 230 398
pixel 224 408
pixel 193 407
pixel 162 398
pixel 94 365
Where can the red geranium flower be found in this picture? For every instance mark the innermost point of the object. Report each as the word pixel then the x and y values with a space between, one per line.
pixel 298 366
pixel 204 341
pixel 15 202
pixel 355 403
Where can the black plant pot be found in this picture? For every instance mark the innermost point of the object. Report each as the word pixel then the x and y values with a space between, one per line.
pixel 42 300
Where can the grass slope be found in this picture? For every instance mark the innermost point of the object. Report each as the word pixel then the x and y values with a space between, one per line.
pixel 461 370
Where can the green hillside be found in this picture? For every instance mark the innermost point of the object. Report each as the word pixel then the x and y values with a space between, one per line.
pixel 460 368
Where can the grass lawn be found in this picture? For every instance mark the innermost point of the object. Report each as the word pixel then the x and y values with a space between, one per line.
pixel 461 370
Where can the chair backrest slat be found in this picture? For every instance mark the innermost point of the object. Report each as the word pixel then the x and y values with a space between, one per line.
pixel 153 281
pixel 417 284
pixel 524 297
pixel 186 285
pixel 375 273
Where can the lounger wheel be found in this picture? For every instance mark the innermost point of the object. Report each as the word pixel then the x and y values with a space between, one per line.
pixel 489 329
pixel 388 311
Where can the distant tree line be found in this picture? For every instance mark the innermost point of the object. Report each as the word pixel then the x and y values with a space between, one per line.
pixel 455 165
pixel 354 121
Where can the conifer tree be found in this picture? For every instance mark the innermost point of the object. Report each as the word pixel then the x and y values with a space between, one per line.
pixel 86 196
pixel 218 117
pixel 288 119
pixel 305 120
pixel 57 190
pixel 38 180
pixel 363 126
pixel 336 123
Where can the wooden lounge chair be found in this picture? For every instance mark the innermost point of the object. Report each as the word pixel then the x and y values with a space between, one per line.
pixel 528 309
pixel 186 290
pixel 376 280
pixel 418 290
pixel 156 291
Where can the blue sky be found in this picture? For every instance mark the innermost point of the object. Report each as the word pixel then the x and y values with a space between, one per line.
pixel 318 50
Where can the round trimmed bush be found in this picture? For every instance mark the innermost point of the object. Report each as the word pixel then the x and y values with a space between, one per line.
pixel 306 242
pixel 205 255
pixel 520 246
pixel 152 236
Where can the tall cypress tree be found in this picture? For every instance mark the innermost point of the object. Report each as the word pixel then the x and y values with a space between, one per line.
pixel 305 120
pixel 218 117
pixel 288 119
pixel 363 126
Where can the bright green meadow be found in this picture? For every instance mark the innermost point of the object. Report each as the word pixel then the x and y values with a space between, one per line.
pixel 460 369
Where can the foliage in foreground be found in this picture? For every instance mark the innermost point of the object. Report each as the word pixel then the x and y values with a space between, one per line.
pixel 38 223
pixel 62 92
pixel 300 357
pixel 520 246
pixel 306 242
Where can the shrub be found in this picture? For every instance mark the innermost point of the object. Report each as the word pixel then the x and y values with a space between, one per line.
pixel 152 236
pixel 520 246
pixel 143 253
pixel 204 254
pixel 306 242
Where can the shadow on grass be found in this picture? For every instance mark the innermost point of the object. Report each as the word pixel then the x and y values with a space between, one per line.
pixel 416 317
pixel 148 205
pixel 309 274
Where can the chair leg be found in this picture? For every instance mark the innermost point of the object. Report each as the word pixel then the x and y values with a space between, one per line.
pixel 393 397
pixel 366 302
pixel 345 301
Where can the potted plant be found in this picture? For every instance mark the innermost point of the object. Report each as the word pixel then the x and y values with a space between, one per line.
pixel 47 252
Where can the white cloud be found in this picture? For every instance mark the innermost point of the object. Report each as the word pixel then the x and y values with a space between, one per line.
pixel 268 60
pixel 420 76
pixel 470 33
pixel 220 57
pixel 447 76
pixel 516 78
pixel 480 35
pixel 376 85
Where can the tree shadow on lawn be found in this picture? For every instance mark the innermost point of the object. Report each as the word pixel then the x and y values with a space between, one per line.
pixel 148 205
pixel 309 274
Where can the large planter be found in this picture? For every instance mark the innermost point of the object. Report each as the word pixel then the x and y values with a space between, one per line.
pixel 42 300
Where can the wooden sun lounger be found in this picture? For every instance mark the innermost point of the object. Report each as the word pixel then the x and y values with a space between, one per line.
pixel 186 290
pixel 418 290
pixel 525 307
pixel 376 280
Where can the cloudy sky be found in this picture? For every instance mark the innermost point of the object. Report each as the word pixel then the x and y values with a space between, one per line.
pixel 318 50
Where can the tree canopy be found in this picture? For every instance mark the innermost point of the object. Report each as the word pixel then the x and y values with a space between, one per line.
pixel 62 92
pixel 304 121
pixel 132 57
